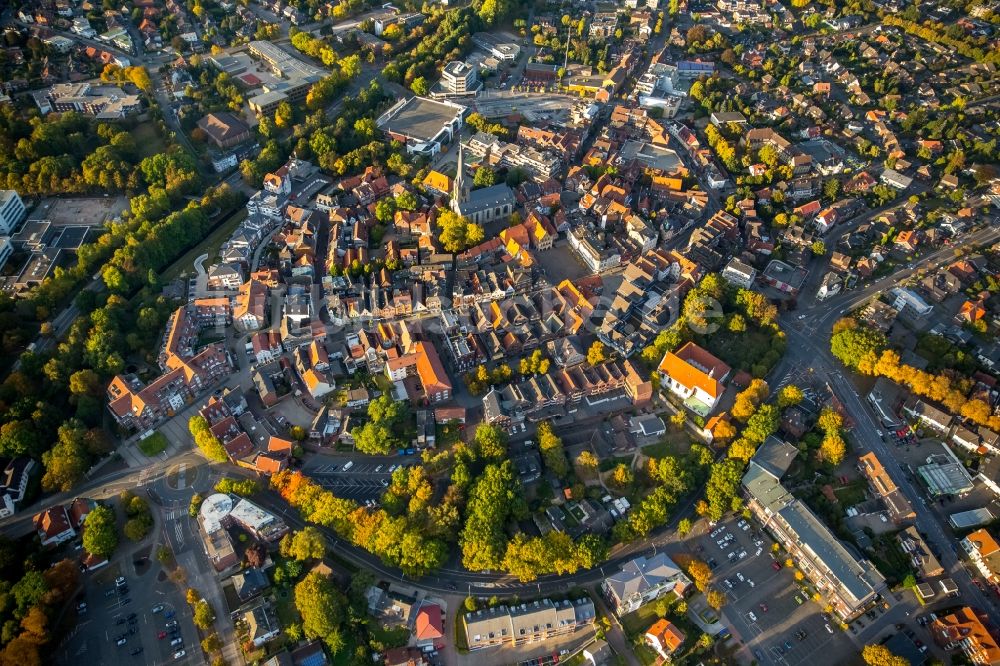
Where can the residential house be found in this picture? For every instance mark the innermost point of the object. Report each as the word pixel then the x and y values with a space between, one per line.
pixel 643 580
pixel 664 637
pixel 695 375
pixel 984 553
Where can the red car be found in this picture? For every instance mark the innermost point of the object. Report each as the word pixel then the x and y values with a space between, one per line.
pixel 775 566
pixel 161 635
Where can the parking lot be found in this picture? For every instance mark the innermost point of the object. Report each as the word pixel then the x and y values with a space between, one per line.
pixel 119 624
pixel 777 622
pixel 363 480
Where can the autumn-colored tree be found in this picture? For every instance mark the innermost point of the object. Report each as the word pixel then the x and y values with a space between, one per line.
pixel 622 476
pixel 789 395
pixel 742 449
pixel 723 431
pixel 587 462
pixel 597 353
pixel 715 598
pixel 833 449
pixel 678 420
pixel 879 655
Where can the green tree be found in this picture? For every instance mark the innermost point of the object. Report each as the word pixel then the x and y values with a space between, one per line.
pixel 100 535
pixel 789 395
pixel 205 440
pixel 485 177
pixel 321 606
pixel 204 616
pixel 552 450
pixel 307 543
pixel 491 441
pixel 818 248
pixel 419 86
pixel 857 347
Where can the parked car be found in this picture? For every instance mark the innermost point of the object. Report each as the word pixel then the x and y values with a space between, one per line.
pixel 179 654
pixel 158 608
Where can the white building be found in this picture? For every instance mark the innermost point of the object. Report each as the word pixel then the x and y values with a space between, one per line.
pixel 12 211
pixel 739 273
pixel 459 78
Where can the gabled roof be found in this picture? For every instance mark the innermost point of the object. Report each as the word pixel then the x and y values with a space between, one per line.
pixel 695 367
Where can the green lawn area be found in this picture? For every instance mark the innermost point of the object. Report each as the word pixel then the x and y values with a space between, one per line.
pixel 745 350
pixel 852 493
pixel 285 608
pixel 448 434
pixel 638 622
pixel 609 464
pixel 209 245
pixel 147 139
pixel 389 637
pixel 461 644
pixel 153 445
pixel 890 559
pixel 673 443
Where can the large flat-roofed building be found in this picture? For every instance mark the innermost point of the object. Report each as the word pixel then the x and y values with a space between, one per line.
pixel 652 157
pixel 505 51
pixel 298 77
pixel 12 211
pixel 106 102
pixel 849 583
pixel 281 62
pixel 423 125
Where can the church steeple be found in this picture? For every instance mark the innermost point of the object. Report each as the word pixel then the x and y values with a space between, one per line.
pixel 459 190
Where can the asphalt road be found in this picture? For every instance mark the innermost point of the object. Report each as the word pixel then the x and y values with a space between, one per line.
pixel 809 347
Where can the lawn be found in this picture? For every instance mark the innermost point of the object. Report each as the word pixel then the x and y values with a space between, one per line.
pixel 461 643
pixel 209 245
pixel 153 445
pixel 638 622
pixel 890 559
pixel 389 637
pixel 673 443
pixel 753 347
pixel 852 493
pixel 148 140
pixel 609 464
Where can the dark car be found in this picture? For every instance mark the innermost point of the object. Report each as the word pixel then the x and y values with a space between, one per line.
pixel 136 651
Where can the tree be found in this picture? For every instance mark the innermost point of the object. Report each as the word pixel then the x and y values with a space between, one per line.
pixel 491 441
pixel 833 449
pixel 551 448
pixel 879 655
pixel 419 86
pixel 857 347
pixel 789 395
pixel 818 248
pixel 715 598
pixel 284 115
pixel 587 462
pixel 622 476
pixel 385 210
pixel 100 536
pixel 457 232
pixel 212 643
pixel 204 615
pixel 597 353
pixel 205 440
pixel 485 177
pixel 67 461
pixel 678 420
pixel 684 527
pixel 304 544
pixel 321 606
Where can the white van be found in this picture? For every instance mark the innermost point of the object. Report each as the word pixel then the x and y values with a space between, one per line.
pixel 348 466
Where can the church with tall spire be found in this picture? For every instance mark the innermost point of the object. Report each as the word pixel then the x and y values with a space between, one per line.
pixel 486 204
pixel 459 189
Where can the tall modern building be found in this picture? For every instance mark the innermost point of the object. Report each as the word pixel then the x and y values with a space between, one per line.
pixel 459 78
pixel 12 211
